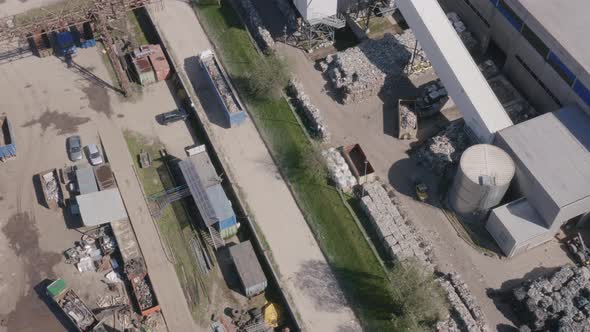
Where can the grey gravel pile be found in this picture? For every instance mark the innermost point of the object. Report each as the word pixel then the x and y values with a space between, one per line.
pixel 558 303
pixel 466 315
pixel 397 235
pixel 252 18
pixel 312 113
pixel 440 152
pixel 339 170
pixel 221 85
pixel 361 72
pixel 465 35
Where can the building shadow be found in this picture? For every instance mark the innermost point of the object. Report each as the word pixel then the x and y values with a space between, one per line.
pixel 205 92
pixel 228 271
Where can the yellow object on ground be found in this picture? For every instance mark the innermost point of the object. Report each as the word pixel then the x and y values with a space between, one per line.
pixel 271 314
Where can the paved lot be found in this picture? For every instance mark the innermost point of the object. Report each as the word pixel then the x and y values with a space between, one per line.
pixel 269 201
pixel 46 102
pixel 371 123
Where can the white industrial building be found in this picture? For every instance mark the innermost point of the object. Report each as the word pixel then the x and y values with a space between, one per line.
pixel 552 157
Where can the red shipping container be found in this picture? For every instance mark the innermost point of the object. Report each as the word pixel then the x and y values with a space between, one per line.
pixel 159 63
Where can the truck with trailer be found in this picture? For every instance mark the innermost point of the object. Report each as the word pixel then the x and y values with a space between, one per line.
pixel 51 187
pixel 72 306
pixel 7 145
pixel 224 90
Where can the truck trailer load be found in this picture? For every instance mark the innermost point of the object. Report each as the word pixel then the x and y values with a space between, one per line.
pixel 51 187
pixel 7 145
pixel 226 94
pixel 358 163
pixel 71 304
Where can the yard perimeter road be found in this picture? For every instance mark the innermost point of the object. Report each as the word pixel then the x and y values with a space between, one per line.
pixel 304 273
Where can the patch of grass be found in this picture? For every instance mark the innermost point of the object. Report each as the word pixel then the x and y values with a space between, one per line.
pixel 174 224
pixel 138 33
pixel 362 278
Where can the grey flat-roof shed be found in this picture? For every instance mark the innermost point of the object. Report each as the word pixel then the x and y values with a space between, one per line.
pixel 552 159
pixel 101 207
pixel 86 180
pixel 517 227
pixel 248 268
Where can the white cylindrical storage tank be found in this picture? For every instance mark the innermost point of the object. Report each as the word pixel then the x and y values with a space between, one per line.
pixel 482 178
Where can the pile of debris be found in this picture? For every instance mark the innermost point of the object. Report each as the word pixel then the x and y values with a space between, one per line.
pixel 397 235
pixel 93 252
pixel 250 320
pixel 77 310
pixel 220 83
pixel 360 72
pixel 558 303
pixel 339 170
pixel 143 293
pixel 408 118
pixel 465 314
pixel 312 114
pixel 135 267
pixel 255 25
pixel 465 35
pixel 440 152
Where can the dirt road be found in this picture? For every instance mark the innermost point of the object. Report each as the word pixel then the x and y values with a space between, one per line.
pixel 318 299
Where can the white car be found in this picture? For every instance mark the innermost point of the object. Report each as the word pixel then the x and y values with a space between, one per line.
pixel 93 154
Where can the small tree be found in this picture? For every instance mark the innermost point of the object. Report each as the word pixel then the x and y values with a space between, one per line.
pixel 269 77
pixel 419 301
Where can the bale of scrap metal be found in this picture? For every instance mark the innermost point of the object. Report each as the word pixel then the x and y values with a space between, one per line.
pixel 466 315
pixel 312 114
pixel 444 149
pixel 362 71
pixel 339 170
pixel 560 302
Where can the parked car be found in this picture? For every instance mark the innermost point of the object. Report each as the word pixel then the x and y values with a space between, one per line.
pixel 93 154
pixel 172 116
pixel 74 146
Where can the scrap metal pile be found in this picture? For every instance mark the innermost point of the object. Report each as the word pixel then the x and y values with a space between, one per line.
pixel 93 252
pixel 135 266
pixel 408 119
pixel 77 310
pixel 465 35
pixel 558 303
pixel 361 72
pixel 395 232
pixel 312 114
pixel 221 84
pixel 143 292
pixel 51 187
pixel 444 149
pixel 465 314
pixel 339 170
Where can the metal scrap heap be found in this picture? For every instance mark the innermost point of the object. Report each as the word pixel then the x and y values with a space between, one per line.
pixel 558 303
pixel 144 293
pixel 222 86
pixel 77 310
pixel 135 266
pixel 408 119
pixel 361 72
pixel 312 114
pixel 443 150
pixel 465 314
pixel 339 170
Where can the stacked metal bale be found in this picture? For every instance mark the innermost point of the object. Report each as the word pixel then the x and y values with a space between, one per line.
pixel 560 302
pixel 397 236
pixel 465 35
pixel 339 170
pixel 312 113
pixel 465 315
pixel 255 24
pixel 360 72
pixel 443 150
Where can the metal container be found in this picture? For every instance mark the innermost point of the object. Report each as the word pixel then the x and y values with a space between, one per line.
pixel 144 70
pixel 159 63
pixel 483 176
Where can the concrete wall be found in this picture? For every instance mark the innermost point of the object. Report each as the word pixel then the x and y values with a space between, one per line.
pixel 500 234
pixel 513 43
